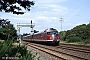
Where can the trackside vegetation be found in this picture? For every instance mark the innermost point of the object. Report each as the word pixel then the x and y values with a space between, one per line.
pixel 17 52
pixel 78 35
pixel 8 34
pixel 9 50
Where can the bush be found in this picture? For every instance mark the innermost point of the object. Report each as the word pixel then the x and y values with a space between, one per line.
pixel 21 52
pixel 73 39
pixel 86 41
pixel 62 35
pixel 6 46
pixel 1 41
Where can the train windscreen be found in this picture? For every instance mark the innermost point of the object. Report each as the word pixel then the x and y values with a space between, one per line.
pixel 53 32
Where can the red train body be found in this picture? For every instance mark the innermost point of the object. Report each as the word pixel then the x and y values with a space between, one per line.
pixel 50 36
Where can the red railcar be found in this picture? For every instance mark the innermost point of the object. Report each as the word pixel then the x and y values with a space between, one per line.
pixel 50 35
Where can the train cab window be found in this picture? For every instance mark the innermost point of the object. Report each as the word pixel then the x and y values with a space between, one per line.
pixel 49 33
pixel 54 32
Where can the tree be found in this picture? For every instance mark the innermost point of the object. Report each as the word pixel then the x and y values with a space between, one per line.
pixel 80 33
pixel 15 6
pixel 62 35
pixel 83 26
pixel 88 25
pixel 3 22
pixel 8 31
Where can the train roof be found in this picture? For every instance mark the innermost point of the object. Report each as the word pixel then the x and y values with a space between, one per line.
pixel 26 35
pixel 46 30
pixel 50 30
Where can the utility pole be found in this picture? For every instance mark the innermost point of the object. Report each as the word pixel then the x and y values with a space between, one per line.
pixel 61 20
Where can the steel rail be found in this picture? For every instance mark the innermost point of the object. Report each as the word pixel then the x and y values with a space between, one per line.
pixel 56 54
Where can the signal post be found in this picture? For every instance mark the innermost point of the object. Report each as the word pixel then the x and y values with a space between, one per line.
pixel 20 25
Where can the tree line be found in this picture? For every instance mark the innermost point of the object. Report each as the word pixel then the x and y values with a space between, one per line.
pixel 80 33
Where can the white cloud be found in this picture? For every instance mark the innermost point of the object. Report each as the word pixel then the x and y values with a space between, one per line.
pixel 50 7
pixel 46 14
pixel 49 1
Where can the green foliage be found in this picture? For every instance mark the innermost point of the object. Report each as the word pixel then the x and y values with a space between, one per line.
pixel 73 39
pixel 6 47
pixel 83 26
pixel 21 52
pixel 62 35
pixel 11 6
pixel 88 25
pixel 87 41
pixel 3 22
pixel 79 33
pixel 8 32
pixel 1 41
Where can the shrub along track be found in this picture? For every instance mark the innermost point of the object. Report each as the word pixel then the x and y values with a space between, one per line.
pixel 53 52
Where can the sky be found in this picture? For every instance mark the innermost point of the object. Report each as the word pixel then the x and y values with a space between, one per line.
pixel 47 13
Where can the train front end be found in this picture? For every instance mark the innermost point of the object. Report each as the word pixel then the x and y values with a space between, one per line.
pixel 53 36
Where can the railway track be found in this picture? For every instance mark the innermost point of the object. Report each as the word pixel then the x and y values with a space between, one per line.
pixel 76 50
pixel 53 52
pixel 79 48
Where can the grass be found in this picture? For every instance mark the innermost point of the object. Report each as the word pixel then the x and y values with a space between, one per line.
pixel 1 41
pixel 76 43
